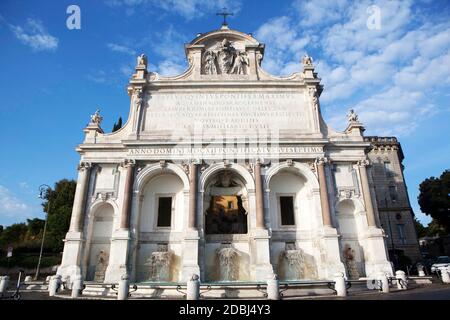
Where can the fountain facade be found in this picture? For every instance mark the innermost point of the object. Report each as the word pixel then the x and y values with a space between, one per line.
pixel 160 264
pixel 228 263
pixel 295 264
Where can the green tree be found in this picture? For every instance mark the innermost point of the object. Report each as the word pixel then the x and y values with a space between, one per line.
pixel 117 125
pixel 435 229
pixel 58 204
pixel 422 231
pixel 434 199
pixel 14 234
pixel 35 228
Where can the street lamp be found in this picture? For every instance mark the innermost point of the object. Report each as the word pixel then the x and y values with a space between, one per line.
pixel 43 192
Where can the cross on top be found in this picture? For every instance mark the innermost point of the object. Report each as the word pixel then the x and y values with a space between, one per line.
pixel 224 13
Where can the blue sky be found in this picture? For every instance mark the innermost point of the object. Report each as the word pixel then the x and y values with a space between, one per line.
pixel 397 76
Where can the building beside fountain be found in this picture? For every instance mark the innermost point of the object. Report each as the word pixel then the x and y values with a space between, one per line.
pixel 227 172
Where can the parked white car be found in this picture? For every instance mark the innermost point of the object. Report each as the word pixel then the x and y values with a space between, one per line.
pixel 442 261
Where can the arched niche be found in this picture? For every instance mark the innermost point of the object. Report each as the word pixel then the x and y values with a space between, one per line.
pixel 161 212
pixel 350 243
pixel 101 229
pixel 225 203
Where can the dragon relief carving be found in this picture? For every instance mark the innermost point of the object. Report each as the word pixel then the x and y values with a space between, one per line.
pixel 225 60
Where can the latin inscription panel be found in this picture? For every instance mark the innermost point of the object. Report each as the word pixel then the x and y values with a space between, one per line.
pixel 227 111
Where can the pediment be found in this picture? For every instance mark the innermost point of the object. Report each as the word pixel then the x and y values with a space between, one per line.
pixel 216 36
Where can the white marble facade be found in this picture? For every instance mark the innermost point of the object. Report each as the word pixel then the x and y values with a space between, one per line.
pixel 227 172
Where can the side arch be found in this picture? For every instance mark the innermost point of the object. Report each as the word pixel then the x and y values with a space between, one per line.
pixel 156 169
pixel 302 169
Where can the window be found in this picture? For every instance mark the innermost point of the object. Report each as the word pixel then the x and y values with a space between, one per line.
pixel 401 233
pixel 393 193
pixel 287 210
pixel 164 211
pixel 230 205
pixel 388 168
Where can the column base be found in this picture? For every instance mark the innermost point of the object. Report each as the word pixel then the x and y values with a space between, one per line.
pixel 376 253
pixel 118 258
pixel 261 269
pixel 333 263
pixel 71 259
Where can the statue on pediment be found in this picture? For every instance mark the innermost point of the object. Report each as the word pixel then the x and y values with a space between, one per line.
pixel 307 60
pixel 210 62
pixel 352 116
pixel 225 60
pixel 96 118
pixel 142 60
pixel 240 63
pixel 226 56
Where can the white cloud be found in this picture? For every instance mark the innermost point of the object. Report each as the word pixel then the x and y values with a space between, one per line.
pixel 122 49
pixel 170 68
pixel 189 9
pixel 167 47
pixel 284 45
pixel 318 12
pixel 34 34
pixel 11 206
pixel 390 76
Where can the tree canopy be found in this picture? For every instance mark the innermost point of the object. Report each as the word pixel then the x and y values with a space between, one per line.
pixel 117 125
pixel 28 236
pixel 58 204
pixel 434 199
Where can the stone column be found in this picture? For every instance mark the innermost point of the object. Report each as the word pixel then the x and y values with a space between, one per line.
pixel 261 254
pixel 330 239
pixel 192 222
pixel 74 241
pixel 366 193
pixel 121 238
pixel 126 208
pixel 79 204
pixel 259 196
pixel 324 202
pixel 375 247
pixel 191 238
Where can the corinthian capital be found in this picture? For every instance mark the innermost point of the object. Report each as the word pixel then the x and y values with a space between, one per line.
pixel 127 163
pixel 322 160
pixel 84 166
pixel 364 163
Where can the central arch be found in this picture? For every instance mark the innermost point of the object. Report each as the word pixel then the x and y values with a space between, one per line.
pixel 227 193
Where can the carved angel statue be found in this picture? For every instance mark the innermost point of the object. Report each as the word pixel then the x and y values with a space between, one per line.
pixel 352 116
pixel 240 63
pixel 96 117
pixel 142 60
pixel 307 60
pixel 210 62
